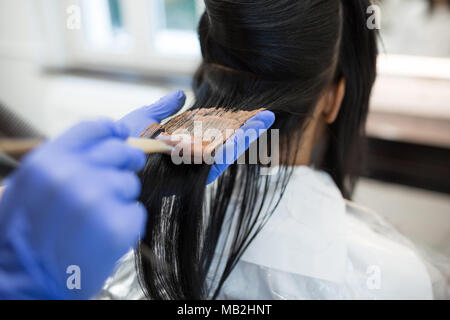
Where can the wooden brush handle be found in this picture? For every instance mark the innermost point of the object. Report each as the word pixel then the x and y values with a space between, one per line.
pixel 17 147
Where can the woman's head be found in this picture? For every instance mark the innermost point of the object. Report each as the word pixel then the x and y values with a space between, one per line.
pixel 287 56
pixel 312 62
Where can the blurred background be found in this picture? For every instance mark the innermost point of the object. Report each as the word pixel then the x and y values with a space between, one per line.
pixel 62 61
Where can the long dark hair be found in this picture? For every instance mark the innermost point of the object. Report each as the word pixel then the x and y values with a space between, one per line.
pixel 276 54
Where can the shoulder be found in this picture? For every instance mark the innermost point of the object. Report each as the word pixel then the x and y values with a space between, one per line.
pixel 317 237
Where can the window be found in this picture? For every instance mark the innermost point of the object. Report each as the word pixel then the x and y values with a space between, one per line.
pixel 153 36
pixel 416 27
pixel 103 25
pixel 414 38
pixel 159 36
pixel 176 27
pixel 179 14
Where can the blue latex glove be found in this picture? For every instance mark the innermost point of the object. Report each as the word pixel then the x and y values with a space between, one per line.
pixel 139 119
pixel 72 202
pixel 237 144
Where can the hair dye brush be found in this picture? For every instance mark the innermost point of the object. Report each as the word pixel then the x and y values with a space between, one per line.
pixel 205 129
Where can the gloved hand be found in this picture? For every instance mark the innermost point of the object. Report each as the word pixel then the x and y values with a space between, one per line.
pixel 139 119
pixel 71 206
pixel 70 211
pixel 238 143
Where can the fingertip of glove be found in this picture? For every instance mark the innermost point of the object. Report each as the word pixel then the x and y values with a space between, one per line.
pixel 267 117
pixel 141 160
pixel 213 174
pixel 180 93
pixel 177 94
pixel 181 96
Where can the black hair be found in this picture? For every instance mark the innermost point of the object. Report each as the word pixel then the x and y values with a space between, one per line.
pixel 276 54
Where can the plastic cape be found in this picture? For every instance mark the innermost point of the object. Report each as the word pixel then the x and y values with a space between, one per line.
pixel 319 246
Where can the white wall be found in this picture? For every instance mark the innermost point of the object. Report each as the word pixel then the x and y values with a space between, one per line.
pixel 18 41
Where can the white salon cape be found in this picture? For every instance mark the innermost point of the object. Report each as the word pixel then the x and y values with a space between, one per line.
pixel 317 245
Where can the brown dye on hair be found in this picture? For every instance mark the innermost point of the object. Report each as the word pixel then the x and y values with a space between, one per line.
pixel 225 121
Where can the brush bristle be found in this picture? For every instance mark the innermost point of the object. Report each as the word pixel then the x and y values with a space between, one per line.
pixel 196 122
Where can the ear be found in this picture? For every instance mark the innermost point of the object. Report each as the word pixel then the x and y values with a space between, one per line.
pixel 336 94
